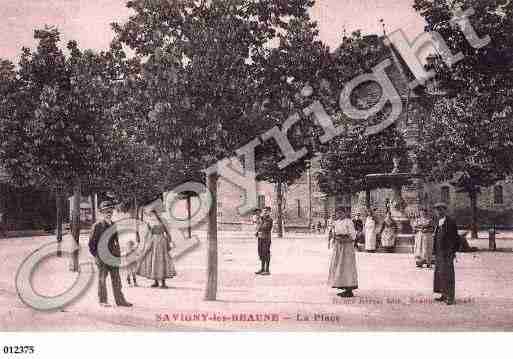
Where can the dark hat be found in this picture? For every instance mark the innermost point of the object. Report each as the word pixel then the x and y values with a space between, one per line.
pixel 440 205
pixel 106 205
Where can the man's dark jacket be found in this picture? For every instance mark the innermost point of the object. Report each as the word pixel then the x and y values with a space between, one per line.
pixel 264 227
pixel 96 233
pixel 446 239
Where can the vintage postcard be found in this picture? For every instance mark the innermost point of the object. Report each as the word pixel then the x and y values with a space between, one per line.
pixel 251 165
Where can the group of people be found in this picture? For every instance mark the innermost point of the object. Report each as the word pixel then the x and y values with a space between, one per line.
pixel 368 232
pixel 154 261
pixel 441 236
pixel 153 258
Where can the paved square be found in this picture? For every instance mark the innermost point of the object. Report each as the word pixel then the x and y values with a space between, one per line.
pixel 392 294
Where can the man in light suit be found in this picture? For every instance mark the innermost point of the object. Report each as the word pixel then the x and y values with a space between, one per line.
pixel 446 243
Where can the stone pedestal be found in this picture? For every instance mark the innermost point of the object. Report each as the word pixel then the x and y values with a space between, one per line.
pixel 397 208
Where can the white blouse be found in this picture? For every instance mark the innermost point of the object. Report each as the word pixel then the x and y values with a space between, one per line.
pixel 345 226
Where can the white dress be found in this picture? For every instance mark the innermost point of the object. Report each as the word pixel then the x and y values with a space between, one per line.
pixel 370 234
pixel 342 272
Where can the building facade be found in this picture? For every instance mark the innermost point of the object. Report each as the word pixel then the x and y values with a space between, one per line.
pixel 304 205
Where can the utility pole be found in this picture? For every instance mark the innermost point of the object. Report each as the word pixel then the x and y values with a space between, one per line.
pixel 309 177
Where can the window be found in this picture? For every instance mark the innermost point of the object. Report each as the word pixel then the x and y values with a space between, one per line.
pixel 498 195
pixel 445 194
pixel 261 201
pixel 298 201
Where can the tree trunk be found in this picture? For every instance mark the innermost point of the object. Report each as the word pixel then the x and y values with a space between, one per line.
pixel 326 212
pixel 75 225
pixel 309 198
pixel 279 200
pixel 211 292
pixel 58 230
pixel 474 225
pixel 93 207
pixel 189 227
pixel 136 216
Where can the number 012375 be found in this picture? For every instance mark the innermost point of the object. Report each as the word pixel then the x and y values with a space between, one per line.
pixel 18 349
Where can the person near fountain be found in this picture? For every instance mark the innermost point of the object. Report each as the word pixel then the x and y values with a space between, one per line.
pixel 446 244
pixel 358 225
pixel 423 227
pixel 388 233
pixel 342 271
pixel 370 232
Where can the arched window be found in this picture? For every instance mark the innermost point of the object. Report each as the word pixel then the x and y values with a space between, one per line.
pixel 498 195
pixel 445 194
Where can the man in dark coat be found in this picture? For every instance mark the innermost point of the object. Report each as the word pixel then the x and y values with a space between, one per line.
pixel 264 227
pixel 445 238
pixel 2 230
pixel 358 226
pixel 100 229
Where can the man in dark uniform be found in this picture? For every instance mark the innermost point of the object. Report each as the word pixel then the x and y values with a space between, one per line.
pixel 264 227
pixel 2 230
pixel 445 239
pixel 358 226
pixel 99 229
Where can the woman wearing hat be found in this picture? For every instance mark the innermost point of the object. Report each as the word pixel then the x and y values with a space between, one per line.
pixel 156 262
pixel 342 272
pixel 423 227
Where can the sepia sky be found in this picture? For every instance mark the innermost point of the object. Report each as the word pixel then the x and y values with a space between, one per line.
pixel 88 20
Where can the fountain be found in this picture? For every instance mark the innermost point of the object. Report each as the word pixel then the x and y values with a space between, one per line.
pixel 395 180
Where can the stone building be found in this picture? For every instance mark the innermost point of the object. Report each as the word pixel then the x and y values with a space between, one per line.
pixel 305 205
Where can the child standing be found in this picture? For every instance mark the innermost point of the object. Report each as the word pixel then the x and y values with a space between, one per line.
pixel 131 268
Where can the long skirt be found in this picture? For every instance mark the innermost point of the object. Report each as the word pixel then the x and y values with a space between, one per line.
pixel 156 263
pixel 388 238
pixel 370 240
pixel 444 278
pixel 423 248
pixel 342 274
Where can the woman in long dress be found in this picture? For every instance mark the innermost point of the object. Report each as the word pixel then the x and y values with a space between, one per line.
pixel 156 262
pixel 423 227
pixel 370 232
pixel 388 233
pixel 342 272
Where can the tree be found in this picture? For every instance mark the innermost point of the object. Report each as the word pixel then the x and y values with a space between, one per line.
pixel 348 160
pixel 473 148
pixel 469 133
pixel 299 60
pixel 211 54
pixel 58 134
